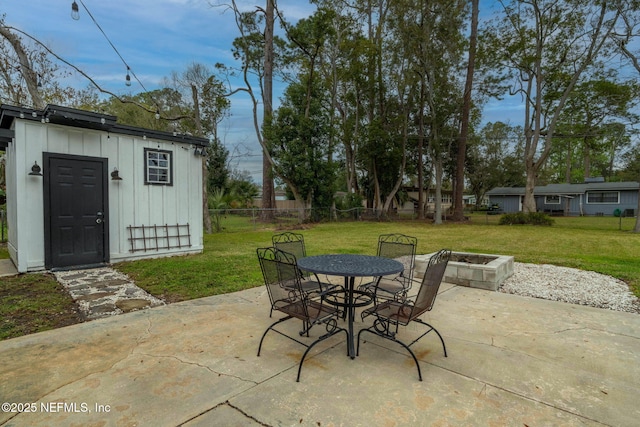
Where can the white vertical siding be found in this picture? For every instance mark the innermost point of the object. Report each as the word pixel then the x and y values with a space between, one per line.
pixel 28 213
pixel 140 204
pixel 12 201
pixel 131 202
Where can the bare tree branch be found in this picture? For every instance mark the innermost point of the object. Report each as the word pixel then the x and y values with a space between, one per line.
pixel 30 76
pixel 85 75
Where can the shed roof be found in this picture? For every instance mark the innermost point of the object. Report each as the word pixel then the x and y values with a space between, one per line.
pixel 566 189
pixel 83 119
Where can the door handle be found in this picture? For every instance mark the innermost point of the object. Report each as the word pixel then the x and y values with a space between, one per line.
pixel 99 220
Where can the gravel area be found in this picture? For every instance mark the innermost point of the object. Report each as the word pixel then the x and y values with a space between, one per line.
pixel 571 285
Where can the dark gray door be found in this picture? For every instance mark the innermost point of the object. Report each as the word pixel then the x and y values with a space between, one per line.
pixel 75 206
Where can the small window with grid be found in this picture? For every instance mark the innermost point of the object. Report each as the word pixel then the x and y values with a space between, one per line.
pixel 158 167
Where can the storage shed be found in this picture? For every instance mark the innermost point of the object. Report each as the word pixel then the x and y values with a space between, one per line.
pixel 83 190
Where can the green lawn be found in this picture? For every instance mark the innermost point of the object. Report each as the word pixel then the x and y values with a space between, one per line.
pixel 36 302
pixel 32 303
pixel 229 261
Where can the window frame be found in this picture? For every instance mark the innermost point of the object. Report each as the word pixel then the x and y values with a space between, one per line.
pixel 602 193
pixel 551 199
pixel 148 168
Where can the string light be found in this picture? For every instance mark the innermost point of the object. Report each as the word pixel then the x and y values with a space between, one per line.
pixel 75 14
pixel 75 11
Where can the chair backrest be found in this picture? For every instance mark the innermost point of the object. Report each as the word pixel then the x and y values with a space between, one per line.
pixel 430 283
pixel 281 276
pixel 401 248
pixel 292 243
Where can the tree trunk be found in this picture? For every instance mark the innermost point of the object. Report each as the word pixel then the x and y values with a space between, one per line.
pixel 206 217
pixel 377 197
pixel 458 213
pixel 268 189
pixel 567 174
pixel 529 203
pixel 587 159
pixel 437 216
pixel 421 193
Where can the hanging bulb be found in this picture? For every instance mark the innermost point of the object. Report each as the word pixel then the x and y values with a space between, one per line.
pixel 157 114
pixel 128 78
pixel 75 12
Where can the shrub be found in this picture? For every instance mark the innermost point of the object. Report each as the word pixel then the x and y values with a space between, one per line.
pixel 532 218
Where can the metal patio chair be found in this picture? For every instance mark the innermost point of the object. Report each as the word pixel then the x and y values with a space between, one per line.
pixel 293 243
pixel 290 242
pixel 389 315
pixel 401 248
pixel 282 279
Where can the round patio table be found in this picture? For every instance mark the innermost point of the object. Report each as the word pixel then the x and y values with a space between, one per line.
pixel 351 266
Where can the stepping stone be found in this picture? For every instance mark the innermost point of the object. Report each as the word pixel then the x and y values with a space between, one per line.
pixel 94 296
pixel 107 283
pixel 128 305
pixel 101 310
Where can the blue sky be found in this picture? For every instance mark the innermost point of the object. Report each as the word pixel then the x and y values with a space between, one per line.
pixel 155 38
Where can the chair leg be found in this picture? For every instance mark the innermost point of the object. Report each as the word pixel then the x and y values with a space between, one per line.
pixel 415 359
pixel 322 338
pixel 431 328
pixel 270 328
pixel 442 341
pixel 358 343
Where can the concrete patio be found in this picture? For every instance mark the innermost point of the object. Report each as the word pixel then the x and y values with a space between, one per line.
pixel 513 361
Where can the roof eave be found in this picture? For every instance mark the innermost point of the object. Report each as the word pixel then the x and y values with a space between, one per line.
pixel 89 120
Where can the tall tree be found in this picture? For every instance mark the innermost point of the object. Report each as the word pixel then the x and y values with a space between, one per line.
pixel 438 60
pixel 299 146
pixel 458 213
pixel 301 143
pixel 546 46
pixel 495 159
pixel 268 189
pixel 209 108
pixel 626 40
pixel 256 49
pixel 591 130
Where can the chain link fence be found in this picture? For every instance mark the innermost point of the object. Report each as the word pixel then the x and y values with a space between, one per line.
pixel 293 217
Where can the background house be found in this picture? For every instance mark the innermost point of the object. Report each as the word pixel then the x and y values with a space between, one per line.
pixel 83 190
pixel 593 197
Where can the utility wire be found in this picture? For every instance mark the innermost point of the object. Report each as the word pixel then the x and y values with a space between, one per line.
pixel 112 45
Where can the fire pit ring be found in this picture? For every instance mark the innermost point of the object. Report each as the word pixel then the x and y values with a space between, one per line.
pixel 482 271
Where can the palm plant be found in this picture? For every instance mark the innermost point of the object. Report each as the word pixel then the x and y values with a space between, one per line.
pixel 218 203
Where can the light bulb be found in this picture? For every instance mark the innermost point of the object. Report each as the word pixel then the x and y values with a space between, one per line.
pixel 75 12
